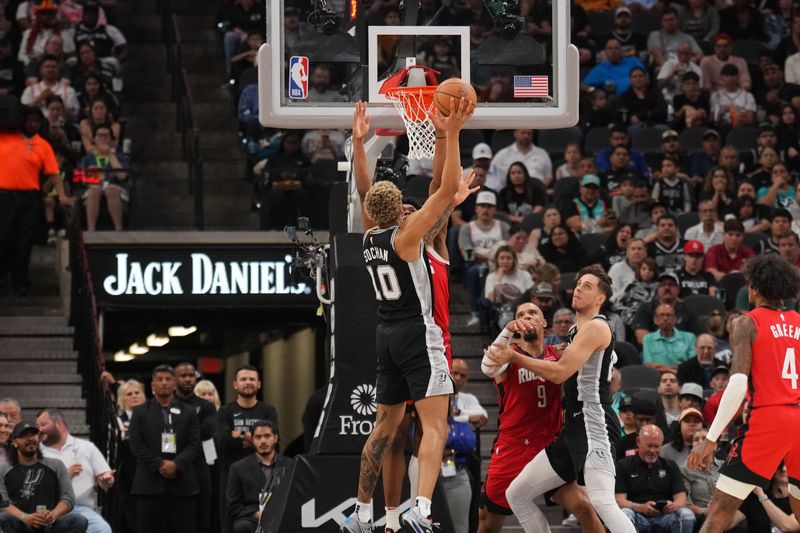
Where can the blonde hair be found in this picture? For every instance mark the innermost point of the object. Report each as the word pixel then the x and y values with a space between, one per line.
pixel 384 203
pixel 123 390
pixel 206 386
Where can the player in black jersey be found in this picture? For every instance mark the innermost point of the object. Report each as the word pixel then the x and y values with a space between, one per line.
pixel 411 358
pixel 584 451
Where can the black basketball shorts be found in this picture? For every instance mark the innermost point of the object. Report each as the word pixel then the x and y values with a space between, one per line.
pixel 411 361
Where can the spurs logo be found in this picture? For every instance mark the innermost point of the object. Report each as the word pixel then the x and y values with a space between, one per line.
pixel 32 480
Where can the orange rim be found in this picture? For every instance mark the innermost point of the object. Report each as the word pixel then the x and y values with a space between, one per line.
pixel 411 105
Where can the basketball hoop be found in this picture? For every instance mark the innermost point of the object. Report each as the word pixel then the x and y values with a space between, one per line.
pixel 414 104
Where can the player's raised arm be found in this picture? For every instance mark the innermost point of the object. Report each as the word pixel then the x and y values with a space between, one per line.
pixel 361 120
pixel 417 224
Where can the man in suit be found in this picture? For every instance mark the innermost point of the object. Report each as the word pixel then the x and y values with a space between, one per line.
pixel 252 479
pixel 164 438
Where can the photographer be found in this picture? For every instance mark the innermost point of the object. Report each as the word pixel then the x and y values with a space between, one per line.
pixel 650 489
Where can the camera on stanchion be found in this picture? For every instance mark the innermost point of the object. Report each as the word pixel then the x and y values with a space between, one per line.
pixel 310 259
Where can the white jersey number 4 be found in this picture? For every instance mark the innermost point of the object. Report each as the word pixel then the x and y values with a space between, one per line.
pixel 790 368
pixel 384 281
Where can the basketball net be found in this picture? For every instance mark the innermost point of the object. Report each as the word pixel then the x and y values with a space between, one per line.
pixel 414 104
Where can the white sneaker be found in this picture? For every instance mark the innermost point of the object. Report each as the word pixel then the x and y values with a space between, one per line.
pixel 51 237
pixel 473 321
pixel 571 520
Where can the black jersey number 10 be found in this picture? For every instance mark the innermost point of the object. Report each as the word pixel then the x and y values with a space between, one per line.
pixel 384 281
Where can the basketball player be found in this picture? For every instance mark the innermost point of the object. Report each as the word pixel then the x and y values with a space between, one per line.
pixel 411 360
pixel 530 419
pixel 765 346
pixel 584 450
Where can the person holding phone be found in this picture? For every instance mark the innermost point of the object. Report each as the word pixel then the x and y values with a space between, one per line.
pixel 650 489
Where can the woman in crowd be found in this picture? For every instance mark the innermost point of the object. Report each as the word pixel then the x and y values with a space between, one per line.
pixel 641 105
pixel 505 283
pixel 614 249
pixel 528 255
pixel 522 196
pixel 762 175
pixel 129 396
pixel 780 193
pixel 642 289
pixel 93 89
pixel 207 391
pixel 45 25
pixel 572 160
pixel 550 219
pixel 98 115
pixel 682 434
pixel 564 250
pixel 746 210
pixel 88 63
pixel 720 188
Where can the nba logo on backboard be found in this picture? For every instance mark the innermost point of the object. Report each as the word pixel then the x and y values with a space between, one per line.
pixel 298 77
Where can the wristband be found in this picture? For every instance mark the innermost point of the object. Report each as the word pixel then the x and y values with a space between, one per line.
pixel 763 498
pixel 23 517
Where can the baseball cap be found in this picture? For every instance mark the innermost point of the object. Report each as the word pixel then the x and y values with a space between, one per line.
pixel 590 179
pixel 669 134
pixel 692 389
pixel 543 289
pixel 23 427
pixel 669 275
pixel 711 133
pixel 482 151
pixel 721 369
pixel 694 247
pixel 486 197
pixel 689 412
pixel 46 5
pixel 622 9
pixel 626 403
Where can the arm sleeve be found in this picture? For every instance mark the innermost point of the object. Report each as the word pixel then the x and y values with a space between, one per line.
pixel 98 462
pixel 594 77
pixel 27 95
pixel 729 403
pixel 711 259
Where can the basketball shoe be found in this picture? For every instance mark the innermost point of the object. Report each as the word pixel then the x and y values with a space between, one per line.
pixel 414 522
pixel 352 524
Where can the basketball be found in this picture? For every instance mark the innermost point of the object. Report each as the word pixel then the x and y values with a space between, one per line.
pixel 453 88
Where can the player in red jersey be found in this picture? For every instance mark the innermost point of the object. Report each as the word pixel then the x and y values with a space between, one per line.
pixel 530 418
pixel 766 346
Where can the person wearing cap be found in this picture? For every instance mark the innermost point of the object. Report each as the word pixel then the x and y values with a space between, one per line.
pixel 666 293
pixel 633 44
pixel 671 186
pixel 650 488
pixel 523 150
pixel 586 212
pixel 729 256
pixel 33 44
pixel 699 369
pixel 663 43
pixel 670 75
pixel 732 106
pixel 693 278
pixel 712 65
pixel 689 423
pixel 666 248
pixel 718 382
pixel 691 395
pixel 670 147
pixel 618 136
pixel 627 420
pixel 612 74
pixel 35 491
pixel 645 412
pixel 708 232
pixel 667 347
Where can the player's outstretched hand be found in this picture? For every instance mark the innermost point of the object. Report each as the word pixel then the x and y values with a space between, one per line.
pixel 361 121
pixel 438 122
pixel 464 189
pixel 701 455
pixel 460 111
pixel 521 325
pixel 499 354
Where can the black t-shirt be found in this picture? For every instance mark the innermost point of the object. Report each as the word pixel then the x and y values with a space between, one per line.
pixel 643 483
pixel 233 417
pixel 32 485
pixel 627 446
pixel 250 20
pixel 667 257
pixel 695 284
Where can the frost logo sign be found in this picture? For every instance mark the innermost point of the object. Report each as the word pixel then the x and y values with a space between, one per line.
pixel 362 400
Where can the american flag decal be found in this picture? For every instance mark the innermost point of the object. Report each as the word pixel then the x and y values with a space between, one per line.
pixel 531 86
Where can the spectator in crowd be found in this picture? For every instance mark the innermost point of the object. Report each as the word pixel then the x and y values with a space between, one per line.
pixel 666 293
pixel 670 76
pixel 667 347
pixel 663 44
pixel 246 55
pixel 164 438
pixel 287 193
pixel 731 161
pixel 694 279
pixel 633 44
pixel 619 173
pixel 244 17
pixel 780 193
pixel 779 225
pixel 613 73
pixel 789 244
pixel 550 219
pixel 668 390
pixel 54 47
pixel 10 407
pixel 586 213
pixel 460 446
pixel 717 383
pixel 754 219
pixel 206 390
pixel 573 154
pixel 596 114
pixel 481 158
pixel 563 320
pixel 709 231
pixel 729 256
pixel 523 150
pixel 528 254
pixel 44 26
pixel 677 450
pixel 564 250
pixel 627 419
pixel 625 196
pixel 92 89
pixel 71 12
pixel 505 283
pixel 107 176
pixel 742 20
pixel 623 273
pixel 777 21
pixel 613 250
pixel 700 368
pixel 650 489
pixel 24 158
pixel 129 396
pixel 731 105
pixel 84 462
pixel 543 295
pixel 235 428
pixel 29 506
pixel 699 20
pixel 644 414
pixel 88 62
pixel 776 92
pixel 637 212
pixel 775 501
pixel 5 433
pixel 253 478
pixel 718 189
pixel 642 289
pixel 691 106
pixel 666 248
pixel 108 41
pixel 642 104
pixel 691 395
pixel 767 157
pixel 521 196
pixel 12 77
pixel 712 65
pixel 99 115
pixel 322 144
pixel 319 85
pixel 618 136
pixel 671 187
pixel 670 147
pixel 51 84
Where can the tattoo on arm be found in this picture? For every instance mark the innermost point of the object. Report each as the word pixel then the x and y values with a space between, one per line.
pixel 744 333
pixel 371 462
pixel 438 225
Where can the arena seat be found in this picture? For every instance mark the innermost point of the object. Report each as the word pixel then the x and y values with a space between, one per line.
pixel 627 354
pixel 686 221
pixel 691 140
pixel 647 141
pixel 565 190
pixel 639 377
pixel 556 141
pixel 531 222
pixel 501 139
pixel 731 283
pixel 743 139
pixel 595 140
pixel 702 305
pixel 753 240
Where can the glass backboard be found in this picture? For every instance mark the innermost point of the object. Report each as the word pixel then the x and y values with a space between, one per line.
pixel 322 56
